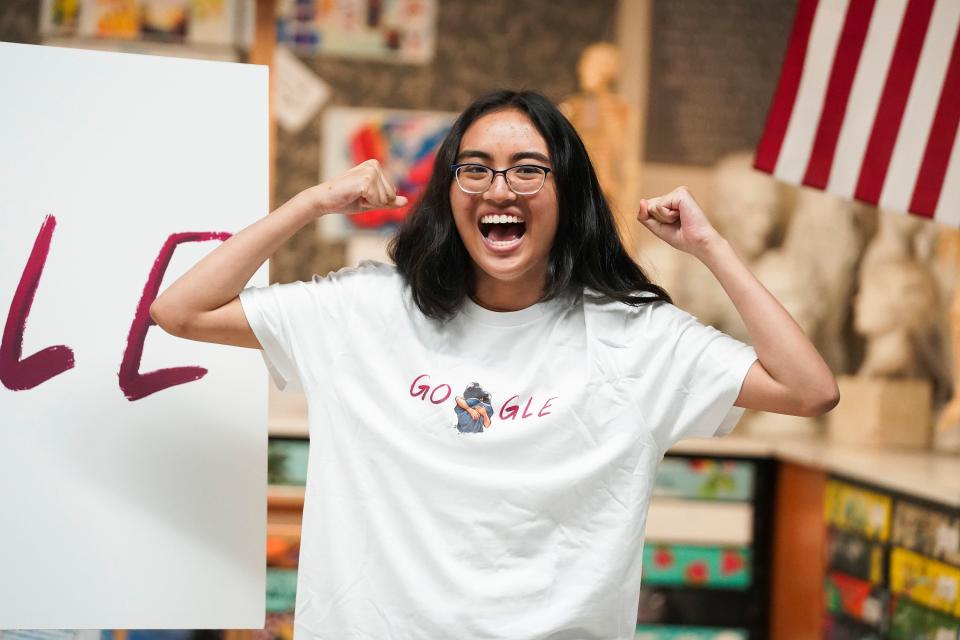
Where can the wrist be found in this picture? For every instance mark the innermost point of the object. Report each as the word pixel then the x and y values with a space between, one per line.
pixel 712 249
pixel 314 200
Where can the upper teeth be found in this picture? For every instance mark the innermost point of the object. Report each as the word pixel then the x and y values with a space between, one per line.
pixel 495 219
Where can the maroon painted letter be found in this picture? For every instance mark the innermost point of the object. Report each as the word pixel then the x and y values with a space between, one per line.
pixel 17 374
pixel 136 385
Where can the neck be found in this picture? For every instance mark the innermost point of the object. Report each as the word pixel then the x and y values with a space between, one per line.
pixel 498 295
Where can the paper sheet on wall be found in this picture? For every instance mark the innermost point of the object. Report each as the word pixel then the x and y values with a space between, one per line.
pixel 299 93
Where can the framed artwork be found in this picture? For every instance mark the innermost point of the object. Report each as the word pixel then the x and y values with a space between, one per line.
pixel 287 461
pixel 390 30
pixel 404 142
pixel 667 632
pixel 206 28
pixel 668 564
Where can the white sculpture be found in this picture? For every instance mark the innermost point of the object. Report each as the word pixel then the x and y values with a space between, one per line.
pixel 828 235
pixel 813 275
pixel 897 310
pixel 896 304
pixel 748 208
pixel 898 307
pixel 751 211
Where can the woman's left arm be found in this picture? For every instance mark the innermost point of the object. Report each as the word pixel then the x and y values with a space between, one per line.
pixel 791 377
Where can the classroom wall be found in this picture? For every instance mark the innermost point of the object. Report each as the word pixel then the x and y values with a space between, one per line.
pixel 19 20
pixel 480 46
pixel 533 43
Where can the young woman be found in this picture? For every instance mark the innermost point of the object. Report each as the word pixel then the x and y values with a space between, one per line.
pixel 509 276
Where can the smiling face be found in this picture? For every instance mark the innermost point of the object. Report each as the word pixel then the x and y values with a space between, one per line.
pixel 506 252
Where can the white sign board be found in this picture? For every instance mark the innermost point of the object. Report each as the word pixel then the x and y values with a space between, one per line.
pixel 132 463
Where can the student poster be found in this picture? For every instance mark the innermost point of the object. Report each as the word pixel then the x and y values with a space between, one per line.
pixel 402 31
pixel 132 463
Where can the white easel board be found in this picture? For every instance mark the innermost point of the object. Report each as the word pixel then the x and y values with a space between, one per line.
pixel 129 500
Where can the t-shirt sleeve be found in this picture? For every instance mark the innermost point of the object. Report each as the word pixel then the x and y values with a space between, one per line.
pixel 301 325
pixel 272 313
pixel 697 373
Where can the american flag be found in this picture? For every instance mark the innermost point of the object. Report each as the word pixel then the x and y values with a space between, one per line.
pixel 868 104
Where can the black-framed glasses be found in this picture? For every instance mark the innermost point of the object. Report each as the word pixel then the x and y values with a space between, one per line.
pixel 522 179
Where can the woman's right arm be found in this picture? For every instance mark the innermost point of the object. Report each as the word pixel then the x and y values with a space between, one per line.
pixel 203 304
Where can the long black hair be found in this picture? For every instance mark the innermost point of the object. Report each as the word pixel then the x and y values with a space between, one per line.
pixel 474 390
pixel 586 251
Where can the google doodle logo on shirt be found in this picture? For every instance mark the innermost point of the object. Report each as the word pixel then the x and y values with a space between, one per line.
pixel 474 409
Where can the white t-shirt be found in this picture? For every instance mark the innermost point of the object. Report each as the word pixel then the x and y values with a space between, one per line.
pixel 425 522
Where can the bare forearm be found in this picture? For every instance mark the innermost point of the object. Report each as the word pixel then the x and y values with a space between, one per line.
pixel 782 347
pixel 222 274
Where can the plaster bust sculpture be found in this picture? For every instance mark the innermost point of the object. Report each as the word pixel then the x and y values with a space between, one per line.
pixel 749 205
pixel 898 303
pixel 750 209
pixel 830 234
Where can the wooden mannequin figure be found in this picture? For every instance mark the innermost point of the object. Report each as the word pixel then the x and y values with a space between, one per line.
pixel 609 127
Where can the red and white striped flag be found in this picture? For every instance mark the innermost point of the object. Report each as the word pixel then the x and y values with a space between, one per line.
pixel 868 104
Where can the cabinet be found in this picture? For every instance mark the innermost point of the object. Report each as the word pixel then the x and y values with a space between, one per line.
pixel 706 565
pixel 892 566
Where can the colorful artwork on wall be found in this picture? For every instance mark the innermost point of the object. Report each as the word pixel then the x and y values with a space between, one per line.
pixel 694 565
pixel 856 556
pixel 858 510
pixel 935 533
pixel 929 582
pixel 666 632
pixel 391 30
pixel 281 590
pixel 704 479
pixel 197 22
pixel 856 598
pixel 914 622
pixel 287 461
pixel 405 144
pixel 283 549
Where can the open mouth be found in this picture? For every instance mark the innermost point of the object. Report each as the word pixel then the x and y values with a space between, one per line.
pixel 502 228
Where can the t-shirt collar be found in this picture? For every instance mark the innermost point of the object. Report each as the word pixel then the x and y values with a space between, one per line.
pixel 526 315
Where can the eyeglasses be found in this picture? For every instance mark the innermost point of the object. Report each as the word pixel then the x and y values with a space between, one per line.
pixel 522 179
